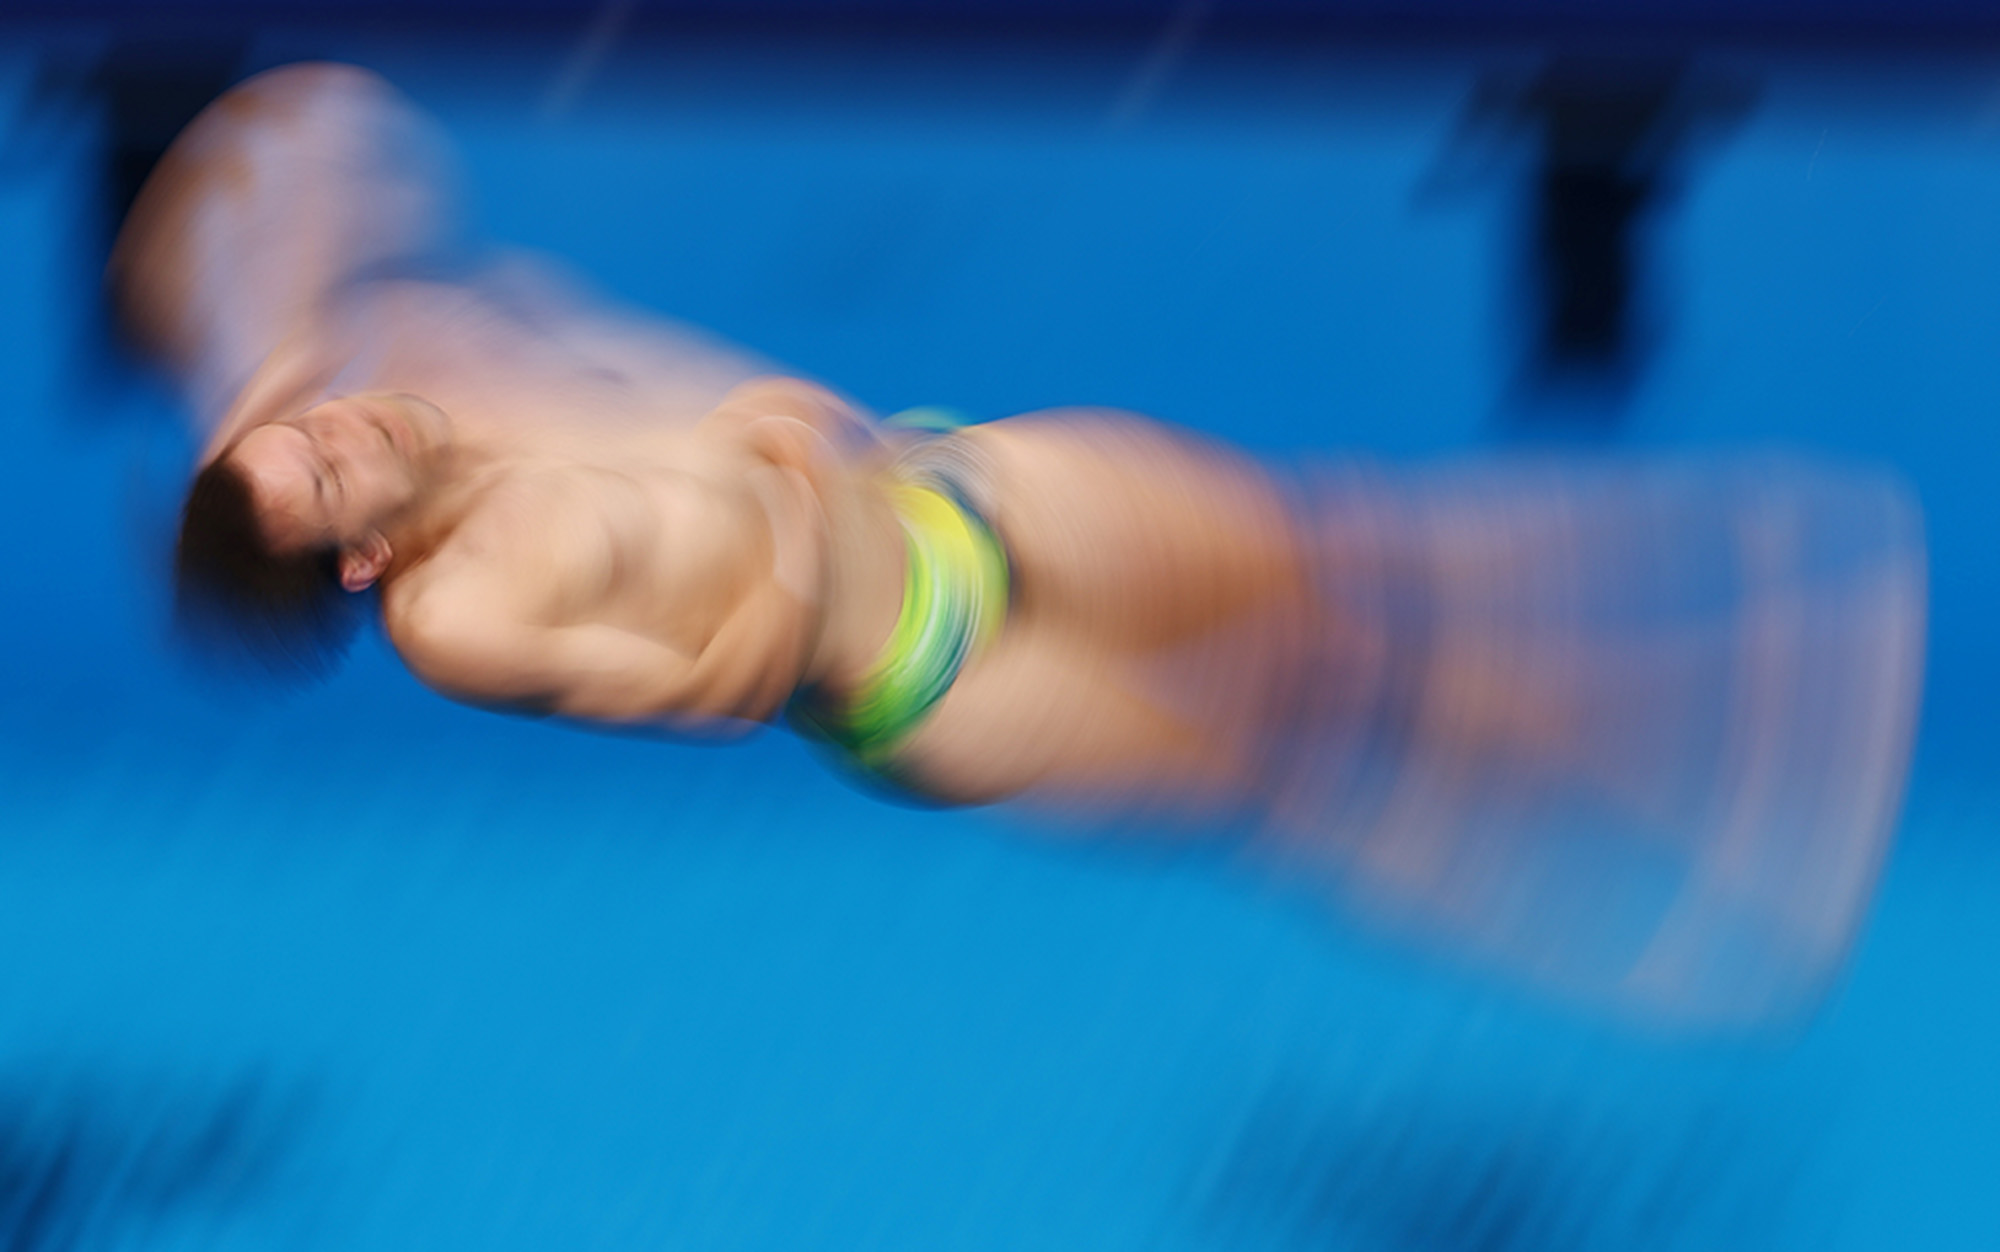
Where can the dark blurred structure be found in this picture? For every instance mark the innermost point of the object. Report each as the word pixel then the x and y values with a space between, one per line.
pixel 106 1165
pixel 1424 1172
pixel 1445 20
pixel 1609 143
pixel 135 87
pixel 145 88
pixel 1611 117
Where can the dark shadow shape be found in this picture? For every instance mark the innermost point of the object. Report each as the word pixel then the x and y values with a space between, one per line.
pixel 144 90
pixel 1424 1175
pixel 86 1168
pixel 1610 141
pixel 133 96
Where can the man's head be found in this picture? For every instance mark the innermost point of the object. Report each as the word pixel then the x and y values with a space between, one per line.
pixel 296 514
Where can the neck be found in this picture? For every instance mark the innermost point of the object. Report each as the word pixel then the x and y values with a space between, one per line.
pixel 451 483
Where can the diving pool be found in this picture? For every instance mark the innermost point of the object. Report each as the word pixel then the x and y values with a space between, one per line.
pixel 357 968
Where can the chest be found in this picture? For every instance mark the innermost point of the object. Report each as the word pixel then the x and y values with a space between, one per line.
pixel 663 553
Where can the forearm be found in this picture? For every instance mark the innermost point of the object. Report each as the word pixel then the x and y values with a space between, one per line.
pixel 278 194
pixel 272 260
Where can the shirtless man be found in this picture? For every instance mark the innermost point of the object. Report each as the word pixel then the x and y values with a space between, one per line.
pixel 586 517
pixel 1435 689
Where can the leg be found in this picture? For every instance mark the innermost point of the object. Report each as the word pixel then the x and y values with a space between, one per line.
pixel 1639 730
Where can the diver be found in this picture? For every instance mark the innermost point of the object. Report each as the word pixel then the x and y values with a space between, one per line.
pixel 1636 730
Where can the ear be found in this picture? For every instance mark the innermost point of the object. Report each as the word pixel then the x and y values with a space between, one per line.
pixel 363 563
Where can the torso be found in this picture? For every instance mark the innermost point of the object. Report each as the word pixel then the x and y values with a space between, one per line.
pixel 581 430
pixel 662 553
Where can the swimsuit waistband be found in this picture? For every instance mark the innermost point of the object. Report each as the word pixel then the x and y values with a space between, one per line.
pixel 956 586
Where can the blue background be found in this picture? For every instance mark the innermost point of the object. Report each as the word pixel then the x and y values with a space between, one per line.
pixel 454 981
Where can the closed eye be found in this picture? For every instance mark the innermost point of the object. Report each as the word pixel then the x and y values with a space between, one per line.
pixel 327 471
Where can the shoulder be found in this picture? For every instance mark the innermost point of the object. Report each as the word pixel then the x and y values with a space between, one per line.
pixel 454 626
pixel 467 600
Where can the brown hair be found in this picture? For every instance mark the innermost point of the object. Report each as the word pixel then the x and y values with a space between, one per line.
pixel 235 599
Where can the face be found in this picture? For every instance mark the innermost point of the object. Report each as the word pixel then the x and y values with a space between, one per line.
pixel 337 473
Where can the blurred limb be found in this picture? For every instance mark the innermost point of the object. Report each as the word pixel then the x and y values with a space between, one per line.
pixel 299 240
pixel 1634 732
pixel 1637 731
pixel 1134 548
pixel 282 191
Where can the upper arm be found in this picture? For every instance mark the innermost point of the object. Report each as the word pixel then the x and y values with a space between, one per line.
pixel 522 608
pixel 472 644
pixel 465 639
pixel 500 615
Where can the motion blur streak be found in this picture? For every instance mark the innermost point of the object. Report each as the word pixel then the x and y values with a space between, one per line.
pixel 1636 729
pixel 1481 744
pixel 1640 728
